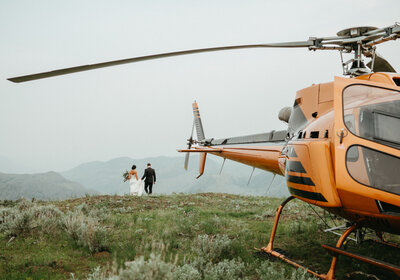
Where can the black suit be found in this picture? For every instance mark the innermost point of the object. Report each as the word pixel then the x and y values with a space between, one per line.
pixel 149 177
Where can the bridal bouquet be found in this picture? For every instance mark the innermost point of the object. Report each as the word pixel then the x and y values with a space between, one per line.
pixel 125 175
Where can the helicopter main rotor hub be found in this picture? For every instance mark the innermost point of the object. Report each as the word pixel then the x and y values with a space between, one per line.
pixel 361 41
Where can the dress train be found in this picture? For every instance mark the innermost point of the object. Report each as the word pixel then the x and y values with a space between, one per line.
pixel 136 186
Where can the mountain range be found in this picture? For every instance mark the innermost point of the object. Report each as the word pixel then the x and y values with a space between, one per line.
pixel 106 177
pixel 43 186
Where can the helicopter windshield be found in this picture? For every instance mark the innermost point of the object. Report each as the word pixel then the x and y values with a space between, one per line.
pixel 373 113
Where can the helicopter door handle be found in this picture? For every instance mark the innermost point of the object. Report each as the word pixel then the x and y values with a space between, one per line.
pixel 343 133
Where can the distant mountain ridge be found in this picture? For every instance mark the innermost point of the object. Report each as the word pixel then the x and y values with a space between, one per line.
pixel 106 177
pixel 42 186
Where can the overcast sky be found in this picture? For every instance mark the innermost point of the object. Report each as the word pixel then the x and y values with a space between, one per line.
pixel 144 109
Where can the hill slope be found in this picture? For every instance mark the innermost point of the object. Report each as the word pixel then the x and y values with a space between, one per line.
pixel 44 186
pixel 197 236
pixel 106 177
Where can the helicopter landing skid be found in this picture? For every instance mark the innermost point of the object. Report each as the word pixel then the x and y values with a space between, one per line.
pixel 335 251
pixel 269 249
pixel 383 241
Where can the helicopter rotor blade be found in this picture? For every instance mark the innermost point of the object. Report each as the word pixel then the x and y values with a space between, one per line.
pixel 346 40
pixel 381 64
pixel 189 146
pixel 191 134
pixel 186 161
pixel 64 71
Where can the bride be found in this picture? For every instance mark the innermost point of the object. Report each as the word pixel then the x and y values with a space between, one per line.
pixel 136 185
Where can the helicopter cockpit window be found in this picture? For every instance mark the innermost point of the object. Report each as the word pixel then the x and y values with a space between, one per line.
pixel 373 113
pixel 374 169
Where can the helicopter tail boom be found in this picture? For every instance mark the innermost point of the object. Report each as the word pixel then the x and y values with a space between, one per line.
pixel 262 157
pixel 244 149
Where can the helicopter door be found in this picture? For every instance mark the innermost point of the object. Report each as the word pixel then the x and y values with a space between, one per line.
pixel 367 143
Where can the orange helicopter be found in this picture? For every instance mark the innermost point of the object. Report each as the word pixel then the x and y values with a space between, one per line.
pixel 341 150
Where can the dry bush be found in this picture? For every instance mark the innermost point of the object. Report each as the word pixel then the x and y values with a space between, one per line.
pixel 224 270
pixel 187 272
pixel 27 217
pixel 86 230
pixel 213 249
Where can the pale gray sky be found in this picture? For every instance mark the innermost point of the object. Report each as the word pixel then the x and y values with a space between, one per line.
pixel 144 109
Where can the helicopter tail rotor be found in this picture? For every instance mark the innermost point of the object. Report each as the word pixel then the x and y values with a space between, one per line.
pixel 199 131
pixel 190 143
pixel 198 123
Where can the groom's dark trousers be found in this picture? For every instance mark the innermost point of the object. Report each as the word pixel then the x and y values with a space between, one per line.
pixel 149 177
pixel 148 187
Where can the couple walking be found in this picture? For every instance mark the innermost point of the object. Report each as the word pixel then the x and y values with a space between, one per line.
pixel 137 186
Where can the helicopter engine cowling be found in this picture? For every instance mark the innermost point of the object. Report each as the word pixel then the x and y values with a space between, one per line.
pixel 284 114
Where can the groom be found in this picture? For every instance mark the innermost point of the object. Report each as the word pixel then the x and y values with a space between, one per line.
pixel 149 177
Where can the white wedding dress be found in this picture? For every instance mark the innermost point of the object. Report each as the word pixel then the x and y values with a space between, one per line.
pixel 136 186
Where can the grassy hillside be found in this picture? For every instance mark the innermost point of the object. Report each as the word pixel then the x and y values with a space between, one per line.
pixel 43 186
pixel 198 236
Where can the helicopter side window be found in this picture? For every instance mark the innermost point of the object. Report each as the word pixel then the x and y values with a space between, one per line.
pixel 384 124
pixel 373 113
pixel 374 168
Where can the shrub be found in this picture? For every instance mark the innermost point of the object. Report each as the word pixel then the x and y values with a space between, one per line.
pixel 23 204
pixel 186 272
pixel 186 224
pixel 214 224
pixel 21 223
pixel 83 208
pixel 47 218
pixel 96 274
pixel 85 231
pixel 301 274
pixel 26 217
pixel 4 216
pixel 17 220
pixel 152 269
pixel 214 249
pixel 100 213
pixel 269 270
pixel 224 270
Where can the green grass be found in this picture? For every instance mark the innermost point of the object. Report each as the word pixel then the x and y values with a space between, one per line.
pixel 171 225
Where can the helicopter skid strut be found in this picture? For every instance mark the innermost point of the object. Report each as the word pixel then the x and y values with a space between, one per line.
pixel 384 242
pixel 269 248
pixel 335 251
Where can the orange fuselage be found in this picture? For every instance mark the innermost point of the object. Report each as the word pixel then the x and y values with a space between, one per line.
pixel 335 157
